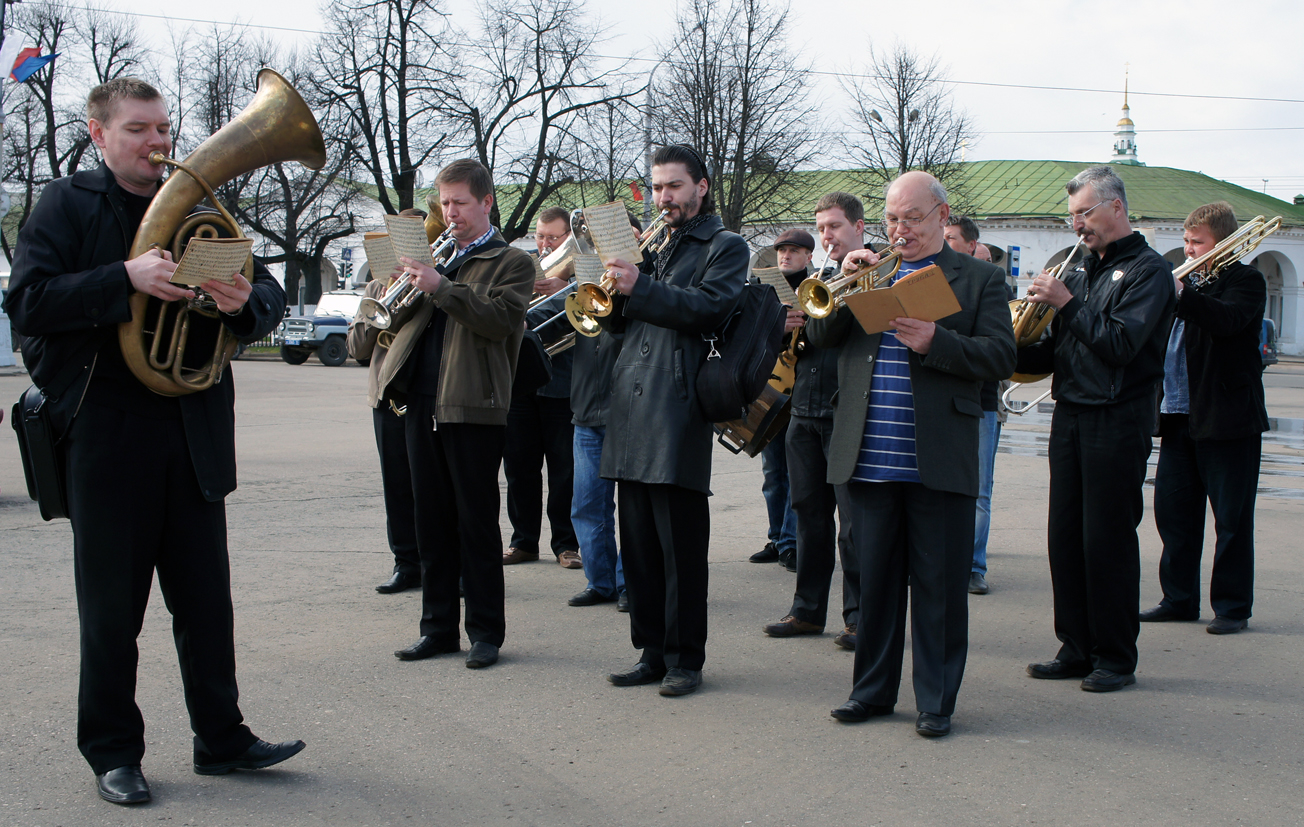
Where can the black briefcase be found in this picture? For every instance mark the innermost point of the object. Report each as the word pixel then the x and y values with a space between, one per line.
pixel 41 453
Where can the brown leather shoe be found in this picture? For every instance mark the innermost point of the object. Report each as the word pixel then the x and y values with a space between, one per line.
pixel 519 555
pixel 568 559
pixel 790 626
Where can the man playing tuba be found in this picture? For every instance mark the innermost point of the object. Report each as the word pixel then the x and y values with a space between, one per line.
pixel 147 474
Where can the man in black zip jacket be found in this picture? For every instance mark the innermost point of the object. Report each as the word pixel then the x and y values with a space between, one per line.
pixel 147 474
pixel 1106 348
pixel 1211 420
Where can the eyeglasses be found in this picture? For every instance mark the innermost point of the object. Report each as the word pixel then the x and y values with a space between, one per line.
pixel 1074 216
pixel 909 223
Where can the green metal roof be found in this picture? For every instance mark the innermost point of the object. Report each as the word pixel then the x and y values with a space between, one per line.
pixel 1036 188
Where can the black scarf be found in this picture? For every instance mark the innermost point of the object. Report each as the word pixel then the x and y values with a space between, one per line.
pixel 663 257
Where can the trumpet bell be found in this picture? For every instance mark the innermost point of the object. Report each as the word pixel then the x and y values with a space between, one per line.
pixel 375 313
pixel 594 299
pixel 583 321
pixel 815 298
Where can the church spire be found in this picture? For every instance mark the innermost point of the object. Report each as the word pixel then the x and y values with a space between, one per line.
pixel 1125 137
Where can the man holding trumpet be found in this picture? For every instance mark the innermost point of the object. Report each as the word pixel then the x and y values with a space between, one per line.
pixel 658 444
pixel 452 364
pixel 905 450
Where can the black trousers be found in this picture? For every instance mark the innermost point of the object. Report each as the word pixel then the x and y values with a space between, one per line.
pixel 664 536
pixel 396 481
pixel 136 508
pixel 814 502
pixel 1226 473
pixel 455 478
pixel 904 534
pixel 1097 467
pixel 539 428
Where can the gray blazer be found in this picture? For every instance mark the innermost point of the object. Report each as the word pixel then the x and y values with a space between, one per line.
pixel 969 348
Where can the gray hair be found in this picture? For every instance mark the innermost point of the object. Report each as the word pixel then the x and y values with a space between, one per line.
pixel 935 189
pixel 1104 182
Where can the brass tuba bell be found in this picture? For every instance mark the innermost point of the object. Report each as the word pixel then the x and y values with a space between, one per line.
pixel 275 127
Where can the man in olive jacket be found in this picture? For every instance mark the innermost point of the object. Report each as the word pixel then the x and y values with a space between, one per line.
pixel 905 449
pixel 147 474
pixel 451 365
pixel 1211 423
pixel 658 444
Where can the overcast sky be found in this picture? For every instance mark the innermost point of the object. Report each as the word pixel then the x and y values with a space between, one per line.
pixel 1246 53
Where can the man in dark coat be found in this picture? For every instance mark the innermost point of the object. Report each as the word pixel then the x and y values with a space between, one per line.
pixel 905 448
pixel 1212 417
pixel 147 474
pixel 1106 348
pixel 658 443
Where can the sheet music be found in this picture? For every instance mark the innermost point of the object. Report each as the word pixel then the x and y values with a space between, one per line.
pixel 773 276
pixel 380 255
pixel 611 232
pixel 588 268
pixel 212 259
pixel 408 235
pixel 924 295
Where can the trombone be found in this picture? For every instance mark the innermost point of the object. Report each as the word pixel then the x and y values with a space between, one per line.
pixel 820 299
pixel 402 293
pixel 596 299
pixel 1230 250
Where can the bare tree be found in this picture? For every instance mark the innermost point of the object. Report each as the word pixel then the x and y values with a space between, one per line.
pixel 380 64
pixel 736 93
pixel 527 84
pixel 907 120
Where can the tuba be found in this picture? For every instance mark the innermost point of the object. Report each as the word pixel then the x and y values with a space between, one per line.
pixel 275 127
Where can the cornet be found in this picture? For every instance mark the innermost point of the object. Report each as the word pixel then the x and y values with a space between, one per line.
pixel 595 299
pixel 820 299
pixel 403 293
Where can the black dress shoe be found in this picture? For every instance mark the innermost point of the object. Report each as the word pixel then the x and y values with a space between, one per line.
pixel 856 712
pixel 1162 613
pixel 788 559
pixel 426 647
pixel 766 555
pixel 933 726
pixel 641 673
pixel 400 581
pixel 481 655
pixel 622 602
pixel 1225 626
pixel 124 785
pixel 1057 669
pixel 978 583
pixel 1103 680
pixel 589 597
pixel 680 682
pixel 257 757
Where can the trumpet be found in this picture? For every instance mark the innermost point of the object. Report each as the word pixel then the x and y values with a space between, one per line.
pixel 820 299
pixel 1207 268
pixel 596 299
pixel 583 323
pixel 402 293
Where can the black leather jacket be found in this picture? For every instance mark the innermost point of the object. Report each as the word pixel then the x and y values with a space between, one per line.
pixel 1107 345
pixel 655 430
pixel 590 366
pixel 69 292
pixel 815 378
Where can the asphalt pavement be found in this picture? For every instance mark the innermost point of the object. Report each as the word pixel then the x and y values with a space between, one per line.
pixel 1210 734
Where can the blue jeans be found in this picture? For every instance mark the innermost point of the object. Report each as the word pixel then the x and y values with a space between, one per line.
pixel 989 436
pixel 593 514
pixel 778 501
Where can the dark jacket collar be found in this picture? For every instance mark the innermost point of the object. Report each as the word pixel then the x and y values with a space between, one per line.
pixel 100 179
pixel 1128 245
pixel 708 228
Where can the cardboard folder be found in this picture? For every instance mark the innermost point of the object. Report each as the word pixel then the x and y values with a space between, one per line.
pixel 924 295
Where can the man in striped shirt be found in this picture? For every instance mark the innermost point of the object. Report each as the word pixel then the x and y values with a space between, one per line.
pixel 905 450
